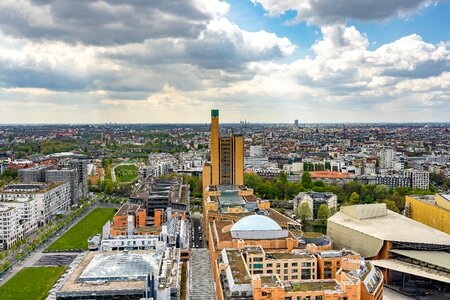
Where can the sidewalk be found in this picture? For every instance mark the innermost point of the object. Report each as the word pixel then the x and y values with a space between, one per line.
pixel 35 255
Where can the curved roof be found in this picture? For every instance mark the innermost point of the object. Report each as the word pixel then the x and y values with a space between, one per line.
pixel 255 222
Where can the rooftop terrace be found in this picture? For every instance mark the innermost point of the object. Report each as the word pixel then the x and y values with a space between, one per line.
pixel 317 285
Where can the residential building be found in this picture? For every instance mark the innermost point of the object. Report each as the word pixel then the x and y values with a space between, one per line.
pixel 38 202
pixel 33 174
pixel 393 181
pixel 387 156
pixel 420 180
pixel 11 230
pixel 315 200
pixel 66 175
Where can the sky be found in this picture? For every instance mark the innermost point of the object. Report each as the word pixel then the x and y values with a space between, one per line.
pixel 172 61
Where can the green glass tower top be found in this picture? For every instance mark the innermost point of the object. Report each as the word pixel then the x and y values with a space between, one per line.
pixel 214 113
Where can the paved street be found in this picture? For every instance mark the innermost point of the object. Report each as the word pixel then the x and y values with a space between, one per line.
pixel 196 231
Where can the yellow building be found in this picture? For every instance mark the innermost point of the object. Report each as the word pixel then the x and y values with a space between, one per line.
pixel 227 157
pixel 429 210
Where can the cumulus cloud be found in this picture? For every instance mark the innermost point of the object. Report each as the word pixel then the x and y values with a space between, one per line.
pixel 159 61
pixel 327 12
pixel 107 22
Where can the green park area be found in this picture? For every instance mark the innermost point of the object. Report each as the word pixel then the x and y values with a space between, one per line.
pixel 77 236
pixel 31 283
pixel 126 173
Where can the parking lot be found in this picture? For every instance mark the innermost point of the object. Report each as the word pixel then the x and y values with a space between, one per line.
pixel 56 260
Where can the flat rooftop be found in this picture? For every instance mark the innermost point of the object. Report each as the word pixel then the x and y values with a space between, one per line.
pixel 316 285
pixel 120 266
pixel 108 271
pixel 29 188
pixel 238 267
pixel 393 227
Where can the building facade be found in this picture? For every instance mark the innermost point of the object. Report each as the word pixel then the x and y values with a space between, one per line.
pixel 227 156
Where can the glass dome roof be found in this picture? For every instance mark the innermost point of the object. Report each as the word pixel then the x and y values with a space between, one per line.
pixel 254 223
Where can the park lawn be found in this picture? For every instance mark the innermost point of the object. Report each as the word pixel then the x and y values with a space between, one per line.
pixel 77 236
pixel 126 173
pixel 31 283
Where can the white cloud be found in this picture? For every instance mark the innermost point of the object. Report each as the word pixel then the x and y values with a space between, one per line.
pixel 328 12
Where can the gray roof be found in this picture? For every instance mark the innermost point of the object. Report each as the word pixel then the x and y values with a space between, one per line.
pixel 438 258
pixel 201 282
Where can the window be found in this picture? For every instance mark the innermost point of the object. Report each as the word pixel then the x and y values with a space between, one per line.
pixel 287 298
pixel 286 277
pixel 286 265
pixel 294 277
pixel 278 271
pixel 327 273
pixel 278 265
pixel 306 264
pixel 294 264
pixel 308 298
pixel 257 266
pixel 299 297
pixel 286 271
pixel 258 272
pixel 319 298
pixel 269 265
pixel 269 271
pixel 294 271
pixel 258 259
pixel 306 273
pixel 328 264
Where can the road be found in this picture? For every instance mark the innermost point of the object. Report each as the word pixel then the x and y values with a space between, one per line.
pixel 196 231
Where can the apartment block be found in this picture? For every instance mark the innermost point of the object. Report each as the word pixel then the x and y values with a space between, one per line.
pixel 38 202
pixel 10 228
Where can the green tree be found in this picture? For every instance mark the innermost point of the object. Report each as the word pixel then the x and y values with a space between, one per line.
pixel 304 212
pixel 390 204
pixel 354 199
pixel 109 187
pixel 306 180
pixel 381 191
pixel 323 213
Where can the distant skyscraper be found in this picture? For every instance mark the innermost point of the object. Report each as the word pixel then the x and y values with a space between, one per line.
pixel 227 157
pixel 296 123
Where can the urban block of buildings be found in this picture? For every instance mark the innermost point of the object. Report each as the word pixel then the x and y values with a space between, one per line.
pixel 25 207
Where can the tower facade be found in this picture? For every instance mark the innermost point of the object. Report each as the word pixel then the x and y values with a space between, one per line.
pixel 227 157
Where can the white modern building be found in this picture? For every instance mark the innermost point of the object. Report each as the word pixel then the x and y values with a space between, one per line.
pixel 386 158
pixel 38 202
pixel 10 228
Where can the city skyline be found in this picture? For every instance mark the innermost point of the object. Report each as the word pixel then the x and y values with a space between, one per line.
pixel 260 60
